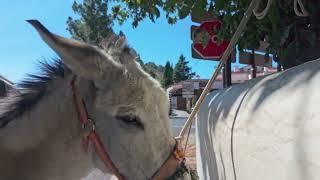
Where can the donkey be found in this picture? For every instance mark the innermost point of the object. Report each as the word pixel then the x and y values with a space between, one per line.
pixel 40 132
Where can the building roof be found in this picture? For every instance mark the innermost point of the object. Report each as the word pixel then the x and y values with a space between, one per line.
pixel 5 80
pixel 174 88
pixel 238 76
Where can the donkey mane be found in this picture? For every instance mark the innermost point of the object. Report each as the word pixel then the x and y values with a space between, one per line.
pixel 32 89
pixel 29 91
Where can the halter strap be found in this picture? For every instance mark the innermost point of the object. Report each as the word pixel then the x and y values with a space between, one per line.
pixel 167 168
pixel 91 135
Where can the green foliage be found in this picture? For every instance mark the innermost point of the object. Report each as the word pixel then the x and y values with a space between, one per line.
pixel 168 75
pixel 93 24
pixel 181 70
pixel 167 79
pixel 156 71
pixel 281 28
pixel 137 10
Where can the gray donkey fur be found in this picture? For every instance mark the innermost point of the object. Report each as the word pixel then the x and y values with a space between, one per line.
pixel 40 134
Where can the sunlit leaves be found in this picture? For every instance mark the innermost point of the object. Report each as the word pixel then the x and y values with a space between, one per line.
pixel 219 4
pixel 184 11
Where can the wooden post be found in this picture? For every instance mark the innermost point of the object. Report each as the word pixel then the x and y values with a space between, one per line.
pixel 253 64
pixel 276 58
pixel 228 72
pixel 224 76
pixel 279 68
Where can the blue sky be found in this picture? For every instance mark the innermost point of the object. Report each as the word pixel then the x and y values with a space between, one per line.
pixel 21 47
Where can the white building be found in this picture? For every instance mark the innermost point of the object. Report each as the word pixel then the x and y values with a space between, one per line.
pixel 183 95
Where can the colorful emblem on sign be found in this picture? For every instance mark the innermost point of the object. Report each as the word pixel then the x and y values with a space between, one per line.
pixel 205 40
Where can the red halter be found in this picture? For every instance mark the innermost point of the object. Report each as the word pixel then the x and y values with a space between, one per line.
pixel 88 125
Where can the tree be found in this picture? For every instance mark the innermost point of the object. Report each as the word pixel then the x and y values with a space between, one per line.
pixel 156 71
pixel 293 39
pixel 94 23
pixel 167 79
pixel 181 70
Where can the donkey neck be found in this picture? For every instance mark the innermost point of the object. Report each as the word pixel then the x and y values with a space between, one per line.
pixel 48 145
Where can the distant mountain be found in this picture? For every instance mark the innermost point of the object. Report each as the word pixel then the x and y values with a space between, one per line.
pixel 156 71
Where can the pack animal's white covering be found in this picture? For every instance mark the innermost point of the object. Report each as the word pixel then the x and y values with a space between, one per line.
pixel 276 128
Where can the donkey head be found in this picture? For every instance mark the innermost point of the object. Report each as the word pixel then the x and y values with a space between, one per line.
pixel 129 107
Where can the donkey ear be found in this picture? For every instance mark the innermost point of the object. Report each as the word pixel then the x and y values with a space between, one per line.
pixel 83 59
pixel 121 42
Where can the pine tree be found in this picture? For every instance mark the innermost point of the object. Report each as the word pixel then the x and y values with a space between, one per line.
pixel 181 70
pixel 94 22
pixel 167 79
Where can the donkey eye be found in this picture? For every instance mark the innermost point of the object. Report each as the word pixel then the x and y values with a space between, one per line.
pixel 131 120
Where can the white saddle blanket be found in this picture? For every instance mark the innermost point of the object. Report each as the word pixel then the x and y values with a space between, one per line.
pixel 276 133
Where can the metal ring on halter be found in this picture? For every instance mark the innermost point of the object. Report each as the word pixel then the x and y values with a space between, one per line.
pixel 88 126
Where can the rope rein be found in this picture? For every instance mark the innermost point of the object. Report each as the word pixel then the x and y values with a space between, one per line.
pixel 303 13
pixel 262 14
pixel 224 58
pixel 252 8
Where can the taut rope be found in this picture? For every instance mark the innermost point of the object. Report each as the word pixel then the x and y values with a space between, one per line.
pixel 303 13
pixel 222 61
pixel 262 14
pixel 252 8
